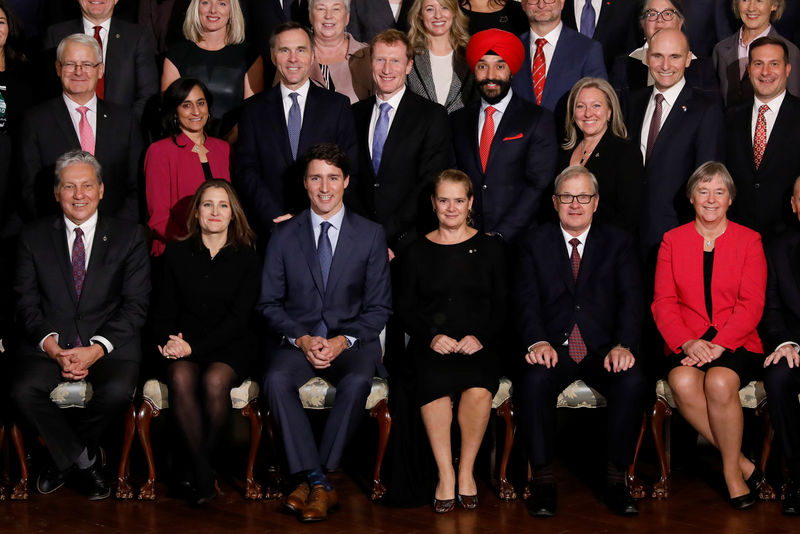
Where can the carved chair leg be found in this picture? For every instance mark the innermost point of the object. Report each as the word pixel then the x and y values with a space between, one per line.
pixel 661 411
pixel 381 414
pixel 272 489
pixel 124 490
pixel 3 492
pixel 253 412
pixel 526 492
pixel 20 491
pixel 506 490
pixel 143 417
pixel 766 492
pixel 635 484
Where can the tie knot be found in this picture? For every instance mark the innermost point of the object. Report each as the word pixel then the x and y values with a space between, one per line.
pixel 97 31
pixel 78 232
pixel 490 111
pixel 294 96
pixel 763 109
pixel 324 226
pixel 83 110
pixel 540 42
pixel 385 108
pixel 574 242
pixel 659 98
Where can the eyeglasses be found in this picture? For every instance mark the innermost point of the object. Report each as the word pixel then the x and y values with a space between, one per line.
pixel 582 199
pixel 537 2
pixel 72 66
pixel 667 15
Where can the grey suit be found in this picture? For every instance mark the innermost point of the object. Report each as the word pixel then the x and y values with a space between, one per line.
pixel 462 87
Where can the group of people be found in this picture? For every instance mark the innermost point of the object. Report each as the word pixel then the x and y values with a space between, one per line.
pixel 406 184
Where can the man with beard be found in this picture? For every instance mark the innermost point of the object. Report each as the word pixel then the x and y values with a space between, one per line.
pixel 506 144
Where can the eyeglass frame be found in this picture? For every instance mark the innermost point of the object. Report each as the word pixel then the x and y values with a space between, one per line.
pixel 73 66
pixel 573 198
pixel 646 14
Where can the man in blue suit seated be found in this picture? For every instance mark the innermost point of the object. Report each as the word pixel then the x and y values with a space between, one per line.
pixel 326 292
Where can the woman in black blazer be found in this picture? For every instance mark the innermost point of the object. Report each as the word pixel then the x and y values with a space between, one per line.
pixel 596 138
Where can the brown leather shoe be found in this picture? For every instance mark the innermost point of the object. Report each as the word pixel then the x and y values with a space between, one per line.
pixel 319 502
pixel 296 500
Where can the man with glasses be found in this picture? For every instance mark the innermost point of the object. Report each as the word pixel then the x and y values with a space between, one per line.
pixel 78 119
pixel 580 312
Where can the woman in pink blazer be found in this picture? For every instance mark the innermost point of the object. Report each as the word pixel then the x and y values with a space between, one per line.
pixel 710 282
pixel 176 166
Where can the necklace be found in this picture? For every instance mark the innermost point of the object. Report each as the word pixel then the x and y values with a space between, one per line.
pixel 585 151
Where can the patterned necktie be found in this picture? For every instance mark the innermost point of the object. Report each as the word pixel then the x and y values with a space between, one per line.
pixel 379 136
pixel 78 261
pixel 539 70
pixel 760 139
pixel 294 124
pixel 655 126
pixel 577 348
pixel 487 135
pixel 325 255
pixel 85 131
pixel 587 19
pixel 100 89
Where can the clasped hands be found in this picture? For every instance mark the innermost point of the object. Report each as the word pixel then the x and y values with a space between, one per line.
pixel 321 352
pixel 74 362
pixel 447 345
pixel 176 347
pixel 700 352
pixel 617 360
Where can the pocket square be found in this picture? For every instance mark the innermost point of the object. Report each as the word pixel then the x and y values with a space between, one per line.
pixel 518 136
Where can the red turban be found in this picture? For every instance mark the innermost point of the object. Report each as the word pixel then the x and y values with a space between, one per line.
pixel 504 44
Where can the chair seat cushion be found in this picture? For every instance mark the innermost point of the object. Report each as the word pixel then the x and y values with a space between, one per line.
pixel 158 394
pixel 579 395
pixel 751 395
pixel 318 394
pixel 72 394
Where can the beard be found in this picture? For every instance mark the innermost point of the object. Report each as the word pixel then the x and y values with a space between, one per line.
pixel 495 95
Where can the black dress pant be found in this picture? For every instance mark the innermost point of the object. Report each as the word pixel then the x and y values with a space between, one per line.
pixel 783 386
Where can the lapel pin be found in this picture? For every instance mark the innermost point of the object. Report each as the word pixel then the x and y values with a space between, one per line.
pixel 472 251
pixel 105 238
pixel 116 36
pixel 683 108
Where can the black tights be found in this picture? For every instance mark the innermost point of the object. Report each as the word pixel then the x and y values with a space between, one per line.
pixel 200 421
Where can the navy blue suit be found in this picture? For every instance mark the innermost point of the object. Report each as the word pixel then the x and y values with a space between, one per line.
pixel 521 165
pixel 355 302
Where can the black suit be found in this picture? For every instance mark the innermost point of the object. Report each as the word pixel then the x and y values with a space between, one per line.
pixel 605 302
pixel 416 150
pixel 762 200
pixel 113 304
pixel 267 176
pixel 615 29
pixel 48 132
pixel 370 17
pixel 520 168
pixel 131 76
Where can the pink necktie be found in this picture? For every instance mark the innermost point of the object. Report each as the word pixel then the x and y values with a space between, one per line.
pixel 85 131
pixel 760 139
pixel 487 135
pixel 539 68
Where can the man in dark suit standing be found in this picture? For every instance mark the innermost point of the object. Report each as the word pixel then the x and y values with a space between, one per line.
pixel 79 119
pixel 326 292
pixel 131 76
pixel 83 283
pixel 580 312
pixel 279 125
pixel 555 57
pixel 780 330
pixel 612 23
pixel 403 142
pixel 504 143
pixel 678 128
pixel 370 17
pixel 762 153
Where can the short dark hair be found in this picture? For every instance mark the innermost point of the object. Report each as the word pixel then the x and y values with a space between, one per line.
pixel 289 26
pixel 173 97
pixel 768 40
pixel 390 37
pixel 331 154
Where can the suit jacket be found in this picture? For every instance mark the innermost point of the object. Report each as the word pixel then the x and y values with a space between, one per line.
pixel 615 29
pixel 707 23
pixel 575 56
pixel 735 88
pixel 691 135
pixel 520 168
pixel 738 284
pixel 781 321
pixel 115 295
pixel 268 178
pixel 370 17
pixel 417 149
pixel 605 301
pixel 131 76
pixel 462 87
pixel 357 299
pixel 48 132
pixel 763 196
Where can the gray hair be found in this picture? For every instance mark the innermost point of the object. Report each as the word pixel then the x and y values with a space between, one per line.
pixel 573 171
pixel 74 157
pixel 707 172
pixel 79 38
pixel 312 3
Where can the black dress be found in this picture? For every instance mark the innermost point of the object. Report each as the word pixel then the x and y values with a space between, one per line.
pixel 510 18
pixel 455 290
pixel 210 301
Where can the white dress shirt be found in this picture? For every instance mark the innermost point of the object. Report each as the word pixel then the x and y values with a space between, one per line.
pixel 88 29
pixel 770 116
pixel 500 108
pixel 548 49
pixel 75 115
pixel 302 91
pixel 670 96
pixel 393 101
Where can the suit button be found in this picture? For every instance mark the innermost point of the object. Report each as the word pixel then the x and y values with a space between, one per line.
pixel 756 186
pixel 485 187
pixel 578 307
pixel 376 185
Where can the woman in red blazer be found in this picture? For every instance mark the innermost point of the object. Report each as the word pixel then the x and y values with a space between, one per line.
pixel 176 166
pixel 710 282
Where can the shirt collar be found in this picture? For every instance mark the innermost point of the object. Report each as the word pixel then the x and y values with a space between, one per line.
pixel 87 226
pixel 568 237
pixel 88 25
pixel 72 105
pixel 302 90
pixel 394 100
pixel 671 94
pixel 762 34
pixel 551 38
pixel 335 220
pixel 774 104
pixel 500 106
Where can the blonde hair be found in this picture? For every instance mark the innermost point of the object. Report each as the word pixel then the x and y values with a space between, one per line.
pixel 773 15
pixel 193 29
pixel 617 123
pixel 418 35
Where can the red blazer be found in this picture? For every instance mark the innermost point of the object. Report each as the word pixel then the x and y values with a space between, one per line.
pixel 172 175
pixel 738 286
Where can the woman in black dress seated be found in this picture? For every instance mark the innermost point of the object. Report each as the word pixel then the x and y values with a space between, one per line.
pixel 452 304
pixel 211 283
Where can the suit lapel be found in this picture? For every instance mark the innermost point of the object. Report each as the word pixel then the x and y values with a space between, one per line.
pixel 102 138
pixel 401 125
pixel 97 258
pixel 344 250
pixel 422 65
pixel 604 20
pixel 672 125
pixel 460 73
pixel 568 14
pixel 563 265
pixel 274 106
pixel 473 138
pixel 305 239
pixel 63 120
pixel 60 247
pixel 113 52
pixel 785 127
pixel 560 62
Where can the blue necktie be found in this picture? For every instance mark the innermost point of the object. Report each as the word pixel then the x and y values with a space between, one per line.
pixel 379 137
pixel 587 19
pixel 325 255
pixel 294 124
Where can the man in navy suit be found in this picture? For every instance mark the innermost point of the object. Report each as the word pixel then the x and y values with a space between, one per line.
pixel 279 125
pixel 580 312
pixel 326 293
pixel 511 157
pixel 610 22
pixel 555 57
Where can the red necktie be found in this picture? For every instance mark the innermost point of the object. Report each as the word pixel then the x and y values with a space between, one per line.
pixel 655 126
pixel 760 139
pixel 487 135
pixel 577 348
pixel 101 85
pixel 85 131
pixel 539 70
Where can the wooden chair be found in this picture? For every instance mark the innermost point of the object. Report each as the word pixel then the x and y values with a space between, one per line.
pixel 155 398
pixel 752 396
pixel 504 409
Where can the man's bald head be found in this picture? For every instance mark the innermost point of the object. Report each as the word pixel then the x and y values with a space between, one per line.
pixel 668 57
